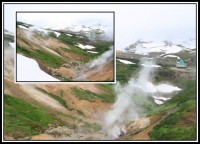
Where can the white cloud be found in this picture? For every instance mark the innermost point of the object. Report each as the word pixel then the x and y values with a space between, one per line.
pixel 132 21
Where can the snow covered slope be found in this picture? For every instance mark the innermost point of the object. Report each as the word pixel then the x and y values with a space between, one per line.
pixel 145 47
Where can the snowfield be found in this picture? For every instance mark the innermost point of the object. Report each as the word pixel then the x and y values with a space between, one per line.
pixel 150 65
pixel 153 44
pixel 84 46
pixel 92 51
pixel 162 88
pixel 158 102
pixel 68 34
pixel 172 56
pixel 168 47
pixel 125 61
pixel 161 98
pixel 57 33
pixel 29 70
pixel 167 88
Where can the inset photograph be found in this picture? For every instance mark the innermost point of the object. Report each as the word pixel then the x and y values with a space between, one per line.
pixel 66 47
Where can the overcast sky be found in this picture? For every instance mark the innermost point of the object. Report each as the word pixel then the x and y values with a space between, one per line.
pixel 132 21
pixel 62 20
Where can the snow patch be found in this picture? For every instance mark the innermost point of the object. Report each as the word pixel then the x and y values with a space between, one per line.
pixel 84 46
pixel 158 102
pixel 57 33
pixel 69 35
pixel 149 87
pixel 29 70
pixel 153 44
pixel 144 48
pixel 172 56
pixel 165 88
pixel 150 65
pixel 161 98
pixel 92 51
pixel 125 61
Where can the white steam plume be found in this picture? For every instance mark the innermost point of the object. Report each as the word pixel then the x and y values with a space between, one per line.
pixel 101 60
pixel 128 105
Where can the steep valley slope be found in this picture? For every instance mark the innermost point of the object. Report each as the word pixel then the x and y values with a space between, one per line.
pixel 76 111
pixel 61 57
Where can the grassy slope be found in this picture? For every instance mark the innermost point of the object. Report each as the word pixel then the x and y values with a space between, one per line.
pixel 57 98
pixel 109 96
pixel 46 58
pixel 125 71
pixel 24 119
pixel 184 101
pixel 100 47
pixel 54 61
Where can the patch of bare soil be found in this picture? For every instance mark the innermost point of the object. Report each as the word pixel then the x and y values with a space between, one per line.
pixel 144 135
pixel 7 137
pixel 63 72
pixel 43 137
pixel 15 90
pixel 64 133
pixel 103 73
pixel 188 118
pixel 9 64
pixel 100 73
pixel 35 39
pixel 73 56
pixel 139 129
pixel 154 120
pixel 41 97
pixel 91 109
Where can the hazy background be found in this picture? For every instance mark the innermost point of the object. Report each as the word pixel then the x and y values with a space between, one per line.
pixel 132 21
pixel 62 20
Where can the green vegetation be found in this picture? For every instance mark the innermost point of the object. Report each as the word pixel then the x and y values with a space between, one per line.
pixel 75 49
pixel 186 55
pixel 90 96
pixel 90 57
pixel 62 93
pixel 164 74
pixel 24 24
pixel 24 119
pixel 169 129
pixel 93 126
pixel 72 39
pixel 8 38
pixel 80 113
pixel 185 102
pixel 125 71
pixel 57 98
pixel 52 34
pixel 102 46
pixel 46 58
pixel 68 116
